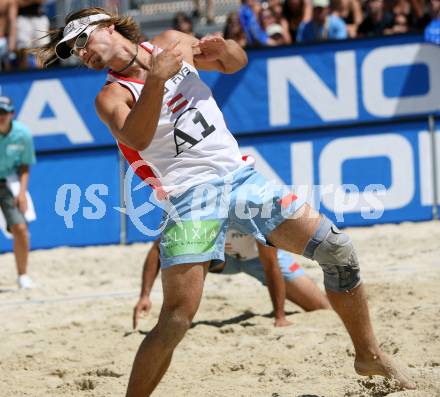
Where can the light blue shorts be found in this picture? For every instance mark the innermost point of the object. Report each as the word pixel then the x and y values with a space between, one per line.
pixel 194 224
pixel 289 268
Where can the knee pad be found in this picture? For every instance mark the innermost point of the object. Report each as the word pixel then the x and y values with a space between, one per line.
pixel 335 253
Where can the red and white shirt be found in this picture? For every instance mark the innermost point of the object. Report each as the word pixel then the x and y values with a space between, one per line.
pixel 192 143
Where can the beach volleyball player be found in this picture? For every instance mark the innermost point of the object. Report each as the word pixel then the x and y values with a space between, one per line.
pixel 160 112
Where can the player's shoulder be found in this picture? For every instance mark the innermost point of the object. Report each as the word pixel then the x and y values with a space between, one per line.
pixel 111 95
pixel 113 91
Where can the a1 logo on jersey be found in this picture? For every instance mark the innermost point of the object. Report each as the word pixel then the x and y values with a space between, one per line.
pixel 187 131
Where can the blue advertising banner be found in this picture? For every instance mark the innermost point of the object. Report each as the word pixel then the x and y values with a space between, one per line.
pixel 363 176
pixel 74 196
pixel 282 89
pixel 58 107
pixel 385 173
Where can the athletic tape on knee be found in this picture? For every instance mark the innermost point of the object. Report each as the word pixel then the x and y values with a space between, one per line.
pixel 335 253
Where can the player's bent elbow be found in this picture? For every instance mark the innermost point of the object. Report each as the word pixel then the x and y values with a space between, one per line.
pixel 242 61
pixel 245 60
pixel 140 145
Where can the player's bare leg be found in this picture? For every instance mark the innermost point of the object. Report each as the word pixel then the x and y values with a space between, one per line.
pixel 305 293
pixel 352 307
pixel 293 235
pixel 182 288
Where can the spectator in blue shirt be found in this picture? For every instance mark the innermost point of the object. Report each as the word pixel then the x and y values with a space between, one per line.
pixel 432 31
pixel 255 34
pixel 323 26
pixel 16 156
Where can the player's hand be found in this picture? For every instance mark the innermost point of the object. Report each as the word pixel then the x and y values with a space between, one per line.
pixel 143 305
pixel 282 322
pixel 21 202
pixel 166 64
pixel 209 48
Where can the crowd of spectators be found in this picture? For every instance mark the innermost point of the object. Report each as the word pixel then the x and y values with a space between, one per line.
pixel 256 23
pixel 277 22
pixel 22 25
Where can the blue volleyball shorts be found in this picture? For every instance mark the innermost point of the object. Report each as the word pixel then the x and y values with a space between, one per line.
pixel 194 223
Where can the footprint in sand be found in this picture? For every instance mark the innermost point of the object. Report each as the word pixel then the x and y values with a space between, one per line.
pixel 86 384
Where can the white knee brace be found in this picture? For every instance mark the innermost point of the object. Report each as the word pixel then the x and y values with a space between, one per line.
pixel 335 253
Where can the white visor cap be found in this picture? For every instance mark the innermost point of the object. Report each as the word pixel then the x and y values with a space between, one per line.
pixel 73 29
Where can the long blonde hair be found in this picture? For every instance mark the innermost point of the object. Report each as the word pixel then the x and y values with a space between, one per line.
pixel 125 25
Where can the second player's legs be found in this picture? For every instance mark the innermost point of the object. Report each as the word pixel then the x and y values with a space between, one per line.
pixel 305 293
pixel 182 288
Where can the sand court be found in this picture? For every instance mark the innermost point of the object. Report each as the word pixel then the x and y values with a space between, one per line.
pixel 72 336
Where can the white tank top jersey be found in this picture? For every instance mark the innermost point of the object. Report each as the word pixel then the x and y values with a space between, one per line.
pixel 240 246
pixel 192 143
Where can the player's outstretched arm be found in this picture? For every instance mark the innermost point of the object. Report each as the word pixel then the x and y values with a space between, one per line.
pixel 275 282
pixel 149 274
pixel 208 53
